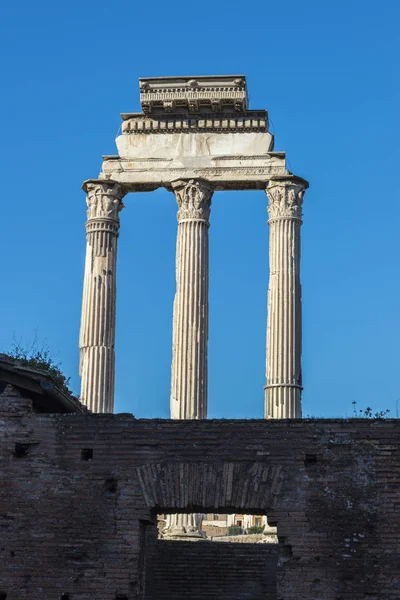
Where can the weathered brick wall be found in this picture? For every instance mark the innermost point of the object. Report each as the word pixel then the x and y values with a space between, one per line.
pixel 210 571
pixel 73 524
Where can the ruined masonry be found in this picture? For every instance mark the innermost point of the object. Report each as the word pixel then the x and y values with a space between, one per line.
pixel 81 487
pixel 194 136
pixel 80 493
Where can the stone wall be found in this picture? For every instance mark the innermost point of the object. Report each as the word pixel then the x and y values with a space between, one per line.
pixel 208 571
pixel 79 494
pixel 250 538
pixel 212 530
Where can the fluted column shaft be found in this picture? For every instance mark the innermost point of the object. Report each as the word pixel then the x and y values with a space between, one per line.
pixel 284 327
pixel 97 333
pixel 190 324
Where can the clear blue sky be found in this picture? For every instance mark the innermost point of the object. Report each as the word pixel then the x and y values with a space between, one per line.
pixel 327 72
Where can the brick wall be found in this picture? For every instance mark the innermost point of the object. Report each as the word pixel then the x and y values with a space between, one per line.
pixel 78 493
pixel 209 571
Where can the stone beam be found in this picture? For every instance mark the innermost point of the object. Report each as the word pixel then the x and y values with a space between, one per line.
pixel 223 171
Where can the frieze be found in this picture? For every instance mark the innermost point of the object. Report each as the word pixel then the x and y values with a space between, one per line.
pixel 273 155
pixel 240 171
pixel 214 172
pixel 206 173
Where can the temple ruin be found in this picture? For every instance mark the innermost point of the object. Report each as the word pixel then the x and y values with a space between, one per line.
pixel 81 487
pixel 195 135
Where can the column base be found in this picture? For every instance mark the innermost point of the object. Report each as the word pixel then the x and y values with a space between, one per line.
pixel 176 534
pixel 183 527
pixel 269 536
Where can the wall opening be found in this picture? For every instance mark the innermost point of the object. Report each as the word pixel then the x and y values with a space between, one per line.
pixel 310 459
pixel 87 454
pixel 205 568
pixel 111 485
pixel 21 450
pixel 218 526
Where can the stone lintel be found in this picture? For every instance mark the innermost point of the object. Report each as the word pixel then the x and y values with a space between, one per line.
pixel 223 172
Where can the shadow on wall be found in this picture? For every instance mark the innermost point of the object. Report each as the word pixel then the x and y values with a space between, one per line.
pixel 205 570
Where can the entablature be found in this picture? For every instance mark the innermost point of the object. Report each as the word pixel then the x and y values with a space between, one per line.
pixel 192 128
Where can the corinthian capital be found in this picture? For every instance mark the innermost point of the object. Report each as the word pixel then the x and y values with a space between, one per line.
pixel 193 198
pixel 285 198
pixel 104 199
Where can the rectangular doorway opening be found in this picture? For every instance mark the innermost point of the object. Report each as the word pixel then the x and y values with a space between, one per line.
pixel 222 563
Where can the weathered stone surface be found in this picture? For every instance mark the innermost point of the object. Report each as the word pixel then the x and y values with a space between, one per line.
pixel 284 331
pixel 249 121
pixel 194 128
pixel 195 149
pixel 196 135
pixel 191 129
pixel 97 333
pixel 77 523
pixel 225 172
pixel 190 322
pixel 193 94
pixel 184 526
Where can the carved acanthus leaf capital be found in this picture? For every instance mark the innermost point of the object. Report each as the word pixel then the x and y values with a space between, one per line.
pixel 104 200
pixel 193 198
pixel 285 199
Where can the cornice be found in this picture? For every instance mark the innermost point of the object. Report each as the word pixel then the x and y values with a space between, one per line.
pixel 193 94
pixel 249 121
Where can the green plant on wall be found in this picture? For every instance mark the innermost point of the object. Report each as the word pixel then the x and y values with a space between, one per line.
pixel 39 358
pixel 368 413
pixel 255 529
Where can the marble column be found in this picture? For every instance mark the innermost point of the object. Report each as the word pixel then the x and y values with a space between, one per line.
pixel 284 330
pixel 190 323
pixel 97 333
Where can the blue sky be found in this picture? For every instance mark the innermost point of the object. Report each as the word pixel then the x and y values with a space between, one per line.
pixel 327 72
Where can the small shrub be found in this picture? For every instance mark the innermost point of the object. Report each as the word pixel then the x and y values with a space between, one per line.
pixel 235 530
pixel 255 529
pixel 39 358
